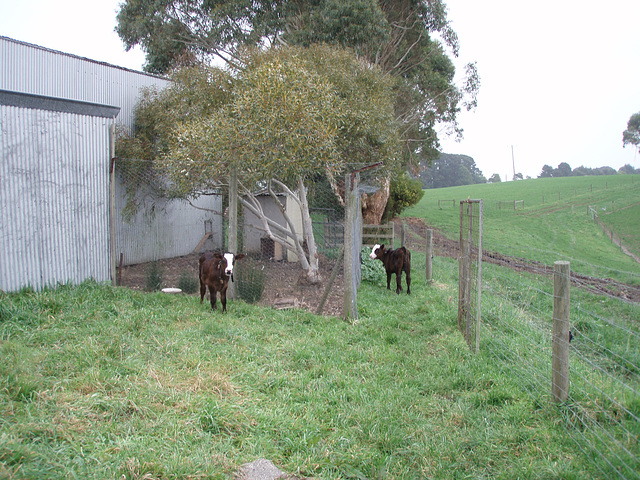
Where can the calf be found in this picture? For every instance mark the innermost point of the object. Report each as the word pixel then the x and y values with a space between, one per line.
pixel 394 261
pixel 215 271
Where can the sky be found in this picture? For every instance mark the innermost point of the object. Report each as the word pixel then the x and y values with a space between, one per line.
pixel 559 78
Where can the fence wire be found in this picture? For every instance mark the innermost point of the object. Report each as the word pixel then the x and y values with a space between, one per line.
pixel 602 411
pixel 159 239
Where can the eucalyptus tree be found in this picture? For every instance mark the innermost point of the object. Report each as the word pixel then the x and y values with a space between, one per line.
pixel 286 116
pixel 410 40
pixel 631 136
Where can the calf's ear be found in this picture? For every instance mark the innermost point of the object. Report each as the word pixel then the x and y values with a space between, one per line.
pixel 240 256
pixel 381 247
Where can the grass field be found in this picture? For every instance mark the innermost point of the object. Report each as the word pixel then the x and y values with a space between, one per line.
pixel 99 382
pixel 102 382
pixel 554 223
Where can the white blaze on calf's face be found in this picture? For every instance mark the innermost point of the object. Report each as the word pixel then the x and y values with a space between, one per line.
pixel 373 255
pixel 229 258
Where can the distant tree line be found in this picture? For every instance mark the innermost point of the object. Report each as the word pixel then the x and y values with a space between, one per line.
pixel 450 170
pixel 564 170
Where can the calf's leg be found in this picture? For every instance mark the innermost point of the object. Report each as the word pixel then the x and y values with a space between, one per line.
pixel 203 290
pixel 223 299
pixel 212 294
pixel 399 281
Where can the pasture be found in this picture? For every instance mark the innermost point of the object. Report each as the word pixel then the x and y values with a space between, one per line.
pixel 554 223
pixel 103 382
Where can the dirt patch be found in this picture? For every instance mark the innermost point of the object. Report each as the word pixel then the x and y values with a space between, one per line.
pixel 282 282
pixel 284 289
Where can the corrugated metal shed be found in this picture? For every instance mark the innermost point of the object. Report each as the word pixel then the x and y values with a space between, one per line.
pixel 54 200
pixel 28 68
pixel 56 110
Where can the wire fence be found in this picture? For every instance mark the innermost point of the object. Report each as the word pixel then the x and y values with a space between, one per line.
pixel 601 412
pixel 159 239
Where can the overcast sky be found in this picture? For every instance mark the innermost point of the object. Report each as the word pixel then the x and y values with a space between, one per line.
pixel 559 78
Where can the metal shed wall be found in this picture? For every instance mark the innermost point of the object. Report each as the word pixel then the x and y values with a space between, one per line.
pixel 28 68
pixel 54 197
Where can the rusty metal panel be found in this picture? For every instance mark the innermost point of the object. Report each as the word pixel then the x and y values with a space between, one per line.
pixel 53 198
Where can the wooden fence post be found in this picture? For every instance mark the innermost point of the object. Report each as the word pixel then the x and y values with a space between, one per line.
pixel 233 223
pixel 429 267
pixel 112 204
pixel 403 233
pixel 350 309
pixel 560 338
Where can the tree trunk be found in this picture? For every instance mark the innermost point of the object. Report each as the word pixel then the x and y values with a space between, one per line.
pixel 313 274
pixel 373 205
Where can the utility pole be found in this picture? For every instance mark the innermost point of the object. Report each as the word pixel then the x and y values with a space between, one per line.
pixel 513 160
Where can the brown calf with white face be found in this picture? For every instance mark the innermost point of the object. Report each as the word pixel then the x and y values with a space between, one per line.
pixel 215 271
pixel 394 261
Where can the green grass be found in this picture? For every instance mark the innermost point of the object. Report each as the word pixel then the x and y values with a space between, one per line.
pixel 103 382
pixel 554 223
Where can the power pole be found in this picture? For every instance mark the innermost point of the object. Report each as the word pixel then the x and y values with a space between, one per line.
pixel 513 160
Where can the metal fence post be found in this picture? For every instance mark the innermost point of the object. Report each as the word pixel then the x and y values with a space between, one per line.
pixel 560 339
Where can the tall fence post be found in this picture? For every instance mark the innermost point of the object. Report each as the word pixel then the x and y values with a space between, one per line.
pixel 112 203
pixel 233 223
pixel 560 339
pixel 350 221
pixel 429 254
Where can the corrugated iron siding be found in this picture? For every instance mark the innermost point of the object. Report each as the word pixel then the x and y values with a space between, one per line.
pixel 54 200
pixel 164 228
pixel 32 69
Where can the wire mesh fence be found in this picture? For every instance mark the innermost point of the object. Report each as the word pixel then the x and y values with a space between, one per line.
pixel 159 239
pixel 470 276
pixel 601 412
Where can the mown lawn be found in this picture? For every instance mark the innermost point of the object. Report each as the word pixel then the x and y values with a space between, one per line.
pixel 102 382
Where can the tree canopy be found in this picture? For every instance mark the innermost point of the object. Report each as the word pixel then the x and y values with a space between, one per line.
pixel 289 115
pixel 407 39
pixel 564 170
pixel 631 136
pixel 450 170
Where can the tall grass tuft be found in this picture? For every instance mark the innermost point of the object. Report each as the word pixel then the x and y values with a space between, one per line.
pixel 154 277
pixel 188 283
pixel 251 279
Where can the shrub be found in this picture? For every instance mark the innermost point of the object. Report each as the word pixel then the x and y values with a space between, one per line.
pixel 188 284
pixel 404 192
pixel 372 270
pixel 154 277
pixel 251 278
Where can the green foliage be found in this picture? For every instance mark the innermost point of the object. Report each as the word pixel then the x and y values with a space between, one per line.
pixel 631 136
pixel 406 40
pixel 372 270
pixel 250 277
pixel 404 192
pixel 153 277
pixel 188 284
pixel 449 170
pixel 292 112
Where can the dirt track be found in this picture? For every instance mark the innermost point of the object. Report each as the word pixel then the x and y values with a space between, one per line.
pixel 445 247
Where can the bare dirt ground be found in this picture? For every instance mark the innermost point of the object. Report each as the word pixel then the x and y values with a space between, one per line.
pixel 284 289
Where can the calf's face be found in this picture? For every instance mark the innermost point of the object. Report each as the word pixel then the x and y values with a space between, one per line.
pixel 376 251
pixel 228 262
